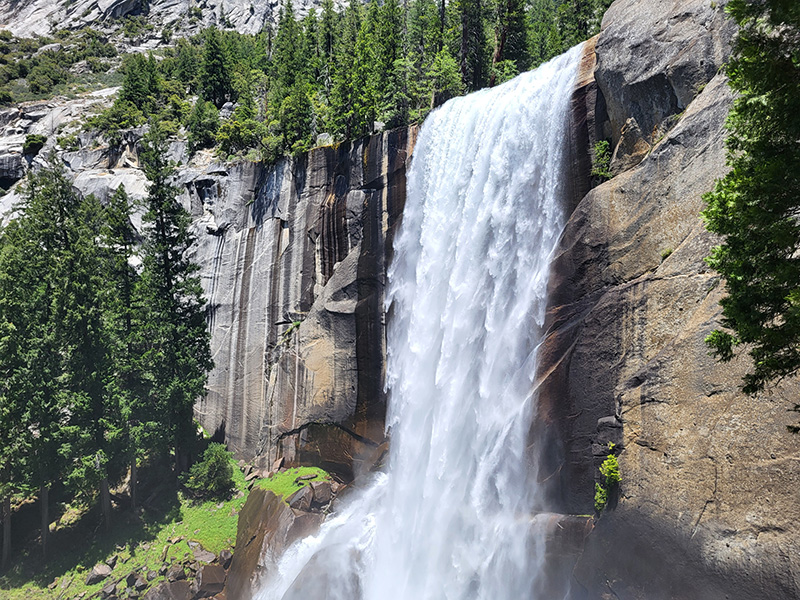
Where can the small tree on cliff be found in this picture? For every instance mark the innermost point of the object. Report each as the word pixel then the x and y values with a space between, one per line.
pixel 173 338
pixel 756 206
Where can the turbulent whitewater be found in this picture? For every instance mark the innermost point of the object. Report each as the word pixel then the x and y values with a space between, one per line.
pixel 453 516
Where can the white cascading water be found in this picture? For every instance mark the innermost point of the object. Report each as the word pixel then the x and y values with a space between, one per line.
pixel 452 517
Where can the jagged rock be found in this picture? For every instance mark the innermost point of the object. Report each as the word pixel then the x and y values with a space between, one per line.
pixel 151 575
pixel 210 580
pixel 111 561
pixel 97 574
pixel 654 58
pixel 631 149
pixel 302 498
pixel 175 590
pixel 322 492
pixel 176 573
pixel 266 527
pixel 12 166
pixel 109 591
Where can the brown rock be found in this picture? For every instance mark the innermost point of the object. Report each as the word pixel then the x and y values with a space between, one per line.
pixel 624 361
pixel 210 581
pixel 266 527
pixel 175 590
pixel 204 556
pixel 109 591
pixel 322 492
pixel 302 498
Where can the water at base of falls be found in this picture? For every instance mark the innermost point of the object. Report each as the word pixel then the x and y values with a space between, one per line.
pixel 452 516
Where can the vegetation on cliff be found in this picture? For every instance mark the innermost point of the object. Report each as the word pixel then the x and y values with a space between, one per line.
pixel 755 206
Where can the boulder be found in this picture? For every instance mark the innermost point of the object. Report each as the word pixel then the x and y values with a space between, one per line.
pixel 172 590
pixel 204 556
pixel 302 498
pixel 210 581
pixel 98 573
pixel 322 492
pixel 176 573
pixel 267 525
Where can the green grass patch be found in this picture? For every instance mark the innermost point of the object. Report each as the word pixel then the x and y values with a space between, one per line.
pixel 138 542
pixel 285 484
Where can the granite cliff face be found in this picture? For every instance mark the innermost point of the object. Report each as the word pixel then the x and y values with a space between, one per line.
pixel 293 261
pixel 707 506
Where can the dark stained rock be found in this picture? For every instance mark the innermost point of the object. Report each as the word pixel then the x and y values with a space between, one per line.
pixel 97 574
pixel 210 581
pixel 267 525
pixel 172 590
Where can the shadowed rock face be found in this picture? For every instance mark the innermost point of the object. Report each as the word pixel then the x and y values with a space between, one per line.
pixel 707 506
pixel 293 261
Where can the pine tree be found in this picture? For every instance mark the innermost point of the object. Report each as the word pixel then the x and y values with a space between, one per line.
pixel 326 32
pixel 511 38
pixel 755 206
pixel 216 84
pixel 121 318
pixel 473 50
pixel 343 111
pixel 202 125
pixel 390 65
pixel 177 356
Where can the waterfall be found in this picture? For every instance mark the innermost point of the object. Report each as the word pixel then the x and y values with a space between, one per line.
pixel 452 516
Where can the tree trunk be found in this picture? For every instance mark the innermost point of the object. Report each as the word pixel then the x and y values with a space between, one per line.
pixel 44 499
pixel 6 530
pixel 105 503
pixel 134 477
